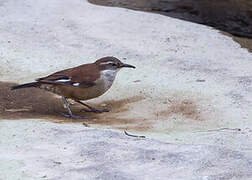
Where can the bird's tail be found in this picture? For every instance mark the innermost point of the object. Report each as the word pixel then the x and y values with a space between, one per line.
pixel 27 85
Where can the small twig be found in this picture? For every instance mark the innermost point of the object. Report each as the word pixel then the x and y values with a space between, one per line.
pixel 221 129
pixel 85 124
pixel 200 80
pixel 126 133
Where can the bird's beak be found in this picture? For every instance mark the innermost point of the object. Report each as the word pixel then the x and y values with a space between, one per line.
pixel 127 65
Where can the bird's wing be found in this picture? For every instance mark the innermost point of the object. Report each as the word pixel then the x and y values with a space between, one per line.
pixel 80 76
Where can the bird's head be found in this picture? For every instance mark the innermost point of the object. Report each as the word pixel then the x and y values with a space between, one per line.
pixel 111 63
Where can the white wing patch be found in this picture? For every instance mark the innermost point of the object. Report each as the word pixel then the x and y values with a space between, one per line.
pixel 63 80
pixel 76 84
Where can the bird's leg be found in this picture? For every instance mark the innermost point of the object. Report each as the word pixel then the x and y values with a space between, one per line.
pixel 70 114
pixel 92 109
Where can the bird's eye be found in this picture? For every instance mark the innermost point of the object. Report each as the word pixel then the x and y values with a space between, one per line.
pixel 114 64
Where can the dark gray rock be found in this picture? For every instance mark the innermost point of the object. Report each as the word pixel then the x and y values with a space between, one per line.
pixel 233 16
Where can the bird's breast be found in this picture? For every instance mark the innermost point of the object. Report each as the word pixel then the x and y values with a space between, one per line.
pixel 102 84
pixel 107 78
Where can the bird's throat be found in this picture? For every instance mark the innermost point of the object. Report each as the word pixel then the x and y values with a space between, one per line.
pixel 108 77
pixel 109 74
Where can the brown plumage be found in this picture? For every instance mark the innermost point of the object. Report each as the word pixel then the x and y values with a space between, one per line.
pixel 82 82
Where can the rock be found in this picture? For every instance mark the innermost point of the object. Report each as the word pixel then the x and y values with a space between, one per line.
pixel 105 154
pixel 202 129
pixel 233 16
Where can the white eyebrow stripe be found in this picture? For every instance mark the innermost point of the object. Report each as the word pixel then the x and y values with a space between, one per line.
pixel 76 84
pixel 63 80
pixel 104 63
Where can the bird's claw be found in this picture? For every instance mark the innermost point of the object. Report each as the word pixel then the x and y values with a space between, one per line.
pixel 75 117
pixel 96 110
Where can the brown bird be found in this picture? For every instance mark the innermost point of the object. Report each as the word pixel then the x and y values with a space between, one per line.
pixel 84 82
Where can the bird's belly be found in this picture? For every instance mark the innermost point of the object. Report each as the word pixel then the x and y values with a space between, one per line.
pixel 80 93
pixel 85 93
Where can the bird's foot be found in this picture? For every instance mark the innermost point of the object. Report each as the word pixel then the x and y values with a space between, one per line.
pixel 96 110
pixel 75 117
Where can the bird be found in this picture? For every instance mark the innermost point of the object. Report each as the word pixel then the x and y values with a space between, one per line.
pixel 80 83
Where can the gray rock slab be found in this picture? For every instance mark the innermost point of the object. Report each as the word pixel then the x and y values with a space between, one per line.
pixel 192 85
pixel 189 77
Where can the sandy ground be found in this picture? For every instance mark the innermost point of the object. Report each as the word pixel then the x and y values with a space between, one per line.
pixel 192 85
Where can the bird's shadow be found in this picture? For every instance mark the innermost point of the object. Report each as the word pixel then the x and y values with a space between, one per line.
pixel 33 103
